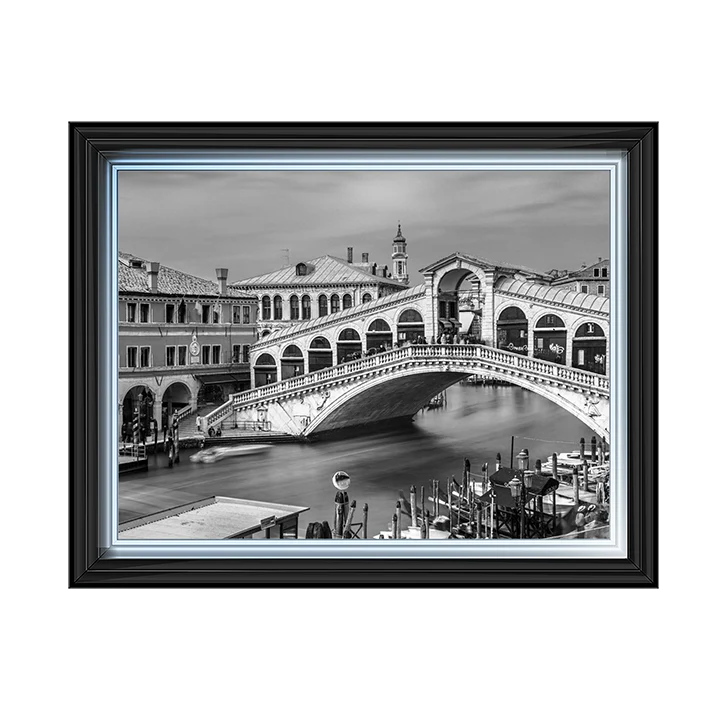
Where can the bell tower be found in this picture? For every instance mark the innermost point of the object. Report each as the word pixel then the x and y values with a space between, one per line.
pixel 399 257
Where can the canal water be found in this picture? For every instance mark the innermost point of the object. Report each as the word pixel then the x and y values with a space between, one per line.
pixel 477 422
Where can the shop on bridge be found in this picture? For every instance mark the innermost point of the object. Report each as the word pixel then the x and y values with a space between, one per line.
pixel 292 362
pixel 512 330
pixel 348 346
pixel 265 371
pixel 410 326
pixel 320 354
pixel 551 339
pixel 378 334
pixel 589 348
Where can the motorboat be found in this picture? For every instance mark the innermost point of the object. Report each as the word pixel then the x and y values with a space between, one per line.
pixel 214 454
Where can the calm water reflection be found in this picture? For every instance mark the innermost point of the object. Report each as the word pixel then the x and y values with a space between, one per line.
pixel 477 423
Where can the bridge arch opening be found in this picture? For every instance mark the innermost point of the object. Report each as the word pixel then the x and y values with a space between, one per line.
pixel 589 348
pixel 176 397
pixel 265 371
pixel 550 339
pixel 457 303
pixel 139 398
pixel 292 362
pixel 513 330
pixel 379 335
pixel 410 326
pixel 348 345
pixel 320 354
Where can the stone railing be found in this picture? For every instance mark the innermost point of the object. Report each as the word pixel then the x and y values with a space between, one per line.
pixel 485 357
pixel 183 413
pixel 336 318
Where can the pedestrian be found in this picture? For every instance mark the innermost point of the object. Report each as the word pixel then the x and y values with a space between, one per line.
pixel 198 422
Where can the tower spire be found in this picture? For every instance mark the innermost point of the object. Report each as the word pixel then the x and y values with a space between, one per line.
pixel 400 257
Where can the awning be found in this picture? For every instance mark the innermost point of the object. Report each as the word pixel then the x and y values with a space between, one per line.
pixel 221 378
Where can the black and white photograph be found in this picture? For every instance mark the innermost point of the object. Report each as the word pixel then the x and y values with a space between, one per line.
pixel 364 355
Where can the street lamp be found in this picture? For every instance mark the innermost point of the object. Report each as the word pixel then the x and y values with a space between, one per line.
pixel 519 495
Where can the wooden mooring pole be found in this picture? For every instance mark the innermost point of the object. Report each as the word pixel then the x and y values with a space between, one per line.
pixel 365 520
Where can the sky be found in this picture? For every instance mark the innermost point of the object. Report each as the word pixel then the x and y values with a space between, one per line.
pixel 245 220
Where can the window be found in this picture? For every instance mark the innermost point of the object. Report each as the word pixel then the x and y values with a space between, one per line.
pixel 132 356
pixel 596 272
pixel 145 356
pixel 278 309
pixel 334 303
pixel 366 298
pixel 236 314
pixel 205 313
pixel 216 357
pixel 216 314
pixel 245 355
pixel 182 356
pixel 236 354
pixel 347 301
pixel 294 305
pixel 583 288
pixel 266 308
pixel 182 313
pixel 131 313
pixel 600 290
pixel 399 268
pixel 605 273
pixel 323 306
pixel 145 313
pixel 247 315
pixel 305 307
pixel 205 354
pixel 170 313
pixel 170 356
pixel 301 270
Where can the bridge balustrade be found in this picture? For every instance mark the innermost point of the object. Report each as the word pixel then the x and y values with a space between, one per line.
pixel 453 352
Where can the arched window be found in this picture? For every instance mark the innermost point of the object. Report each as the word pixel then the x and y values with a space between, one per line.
pixel 294 306
pixel 323 305
pixel 305 307
pixel 348 346
pixel 292 362
pixel 551 339
pixel 589 348
pixel 513 330
pixel 265 370
pixel 550 321
pixel 334 303
pixel 347 301
pixel 366 298
pixel 266 308
pixel 411 316
pixel 379 325
pixel 278 308
pixel 301 269
pixel 319 354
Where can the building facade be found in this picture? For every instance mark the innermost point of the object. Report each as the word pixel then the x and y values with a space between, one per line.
pixel 316 288
pixel 183 341
pixel 593 279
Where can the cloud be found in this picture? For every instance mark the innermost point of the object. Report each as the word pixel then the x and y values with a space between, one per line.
pixel 196 221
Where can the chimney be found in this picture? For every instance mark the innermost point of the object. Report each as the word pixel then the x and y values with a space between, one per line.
pixel 152 269
pixel 350 254
pixel 599 259
pixel 222 275
pixel 385 271
pixel 365 258
pixel 374 269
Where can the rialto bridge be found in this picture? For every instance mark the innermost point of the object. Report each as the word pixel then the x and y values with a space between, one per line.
pixel 387 358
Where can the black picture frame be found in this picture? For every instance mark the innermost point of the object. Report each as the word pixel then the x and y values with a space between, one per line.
pixel 90 144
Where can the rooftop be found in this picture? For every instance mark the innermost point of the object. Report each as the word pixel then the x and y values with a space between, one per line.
pixel 555 294
pixel 322 271
pixel 134 279
pixel 213 518
pixel 585 272
pixel 477 261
